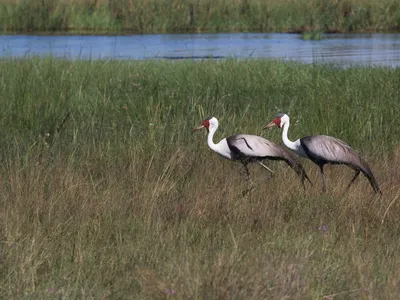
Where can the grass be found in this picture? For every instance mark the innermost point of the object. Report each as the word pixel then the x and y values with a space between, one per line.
pixel 160 16
pixel 312 35
pixel 106 193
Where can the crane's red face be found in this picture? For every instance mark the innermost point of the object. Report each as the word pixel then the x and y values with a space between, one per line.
pixel 276 121
pixel 205 124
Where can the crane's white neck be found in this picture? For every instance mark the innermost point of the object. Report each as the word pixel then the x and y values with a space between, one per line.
pixel 295 146
pixel 222 147
pixel 210 137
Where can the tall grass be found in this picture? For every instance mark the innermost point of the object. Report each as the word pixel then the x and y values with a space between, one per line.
pixel 149 16
pixel 106 193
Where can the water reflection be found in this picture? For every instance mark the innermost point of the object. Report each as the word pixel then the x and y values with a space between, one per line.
pixel 365 49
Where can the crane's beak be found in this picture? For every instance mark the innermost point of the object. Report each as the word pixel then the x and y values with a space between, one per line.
pixel 269 125
pixel 198 128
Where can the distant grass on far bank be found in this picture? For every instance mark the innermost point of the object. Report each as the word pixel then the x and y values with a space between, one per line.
pixel 107 194
pixel 312 35
pixel 162 16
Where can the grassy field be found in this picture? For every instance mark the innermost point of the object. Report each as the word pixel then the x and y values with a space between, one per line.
pixel 150 16
pixel 107 194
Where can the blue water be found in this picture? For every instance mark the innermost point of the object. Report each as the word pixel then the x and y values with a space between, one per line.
pixel 342 49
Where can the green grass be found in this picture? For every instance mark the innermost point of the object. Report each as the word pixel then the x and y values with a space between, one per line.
pixel 312 35
pixel 123 201
pixel 151 16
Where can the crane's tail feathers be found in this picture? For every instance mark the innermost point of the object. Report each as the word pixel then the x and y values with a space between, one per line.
pixel 306 177
pixel 303 175
pixel 368 173
pixel 298 168
pixel 373 183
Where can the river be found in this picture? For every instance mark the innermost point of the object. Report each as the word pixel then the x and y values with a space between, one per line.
pixel 338 49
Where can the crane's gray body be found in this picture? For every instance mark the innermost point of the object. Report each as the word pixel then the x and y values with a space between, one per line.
pixel 322 149
pixel 250 148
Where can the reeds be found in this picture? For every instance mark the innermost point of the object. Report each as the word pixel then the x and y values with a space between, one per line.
pixel 106 193
pixel 160 16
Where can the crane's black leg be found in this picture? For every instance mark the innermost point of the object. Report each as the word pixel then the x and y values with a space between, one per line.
pixel 248 179
pixel 246 172
pixel 354 178
pixel 321 167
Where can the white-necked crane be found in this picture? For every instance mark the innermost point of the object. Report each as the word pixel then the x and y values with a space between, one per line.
pixel 247 149
pixel 323 149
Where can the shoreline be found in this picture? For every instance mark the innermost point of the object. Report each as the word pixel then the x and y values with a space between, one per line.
pixel 126 32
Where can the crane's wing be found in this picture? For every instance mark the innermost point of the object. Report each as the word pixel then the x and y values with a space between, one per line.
pixel 333 150
pixel 323 147
pixel 253 146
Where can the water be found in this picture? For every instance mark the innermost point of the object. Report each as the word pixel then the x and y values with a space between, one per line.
pixel 342 49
